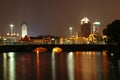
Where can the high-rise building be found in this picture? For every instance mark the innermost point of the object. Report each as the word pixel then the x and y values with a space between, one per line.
pixel 24 29
pixel 84 20
pixel 96 27
pixel 85 27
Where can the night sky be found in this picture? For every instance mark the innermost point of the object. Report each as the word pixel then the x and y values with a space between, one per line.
pixel 54 17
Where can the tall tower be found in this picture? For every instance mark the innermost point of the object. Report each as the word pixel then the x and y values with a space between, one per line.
pixel 24 29
pixel 85 27
pixel 96 27
pixel 84 20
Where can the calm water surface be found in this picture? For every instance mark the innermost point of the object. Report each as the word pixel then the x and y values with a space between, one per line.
pixel 58 66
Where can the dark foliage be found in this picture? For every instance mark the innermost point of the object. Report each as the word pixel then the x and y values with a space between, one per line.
pixel 113 32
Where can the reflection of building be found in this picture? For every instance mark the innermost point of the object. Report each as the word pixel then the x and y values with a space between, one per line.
pixel 85 27
pixel 24 29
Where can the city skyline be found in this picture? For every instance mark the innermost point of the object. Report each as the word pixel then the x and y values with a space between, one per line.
pixel 55 17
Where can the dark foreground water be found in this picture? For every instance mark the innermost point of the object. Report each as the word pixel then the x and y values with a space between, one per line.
pixel 81 65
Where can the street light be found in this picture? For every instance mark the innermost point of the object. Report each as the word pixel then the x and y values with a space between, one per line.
pixel 70 28
pixel 11 27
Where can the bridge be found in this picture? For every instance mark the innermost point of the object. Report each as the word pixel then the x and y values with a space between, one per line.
pixel 65 47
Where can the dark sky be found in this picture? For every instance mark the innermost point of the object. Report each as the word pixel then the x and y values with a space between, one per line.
pixel 55 16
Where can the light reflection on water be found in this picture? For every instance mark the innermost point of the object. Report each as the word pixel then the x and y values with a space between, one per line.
pixel 70 65
pixel 51 66
pixel 38 66
pixel 9 66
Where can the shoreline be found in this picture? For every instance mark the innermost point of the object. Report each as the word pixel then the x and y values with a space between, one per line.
pixel 65 47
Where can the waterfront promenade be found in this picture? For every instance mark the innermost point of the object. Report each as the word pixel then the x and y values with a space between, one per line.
pixel 65 47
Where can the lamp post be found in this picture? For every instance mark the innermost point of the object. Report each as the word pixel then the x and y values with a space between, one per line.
pixel 11 31
pixel 11 28
pixel 70 28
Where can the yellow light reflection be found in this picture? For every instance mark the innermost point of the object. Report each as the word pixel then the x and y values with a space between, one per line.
pixel 105 65
pixel 38 66
pixel 104 53
pixel 40 49
pixel 88 67
pixel 57 50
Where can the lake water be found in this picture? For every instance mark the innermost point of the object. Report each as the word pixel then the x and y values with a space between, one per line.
pixel 82 65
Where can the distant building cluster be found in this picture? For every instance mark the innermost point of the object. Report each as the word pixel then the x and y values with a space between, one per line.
pixel 89 33
pixel 88 28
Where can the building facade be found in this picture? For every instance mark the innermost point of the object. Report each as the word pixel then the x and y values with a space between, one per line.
pixel 24 29
pixel 85 27
pixel 96 27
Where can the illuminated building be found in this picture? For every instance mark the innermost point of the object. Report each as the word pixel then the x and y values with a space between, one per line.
pixel 84 20
pixel 24 29
pixel 85 27
pixel 96 27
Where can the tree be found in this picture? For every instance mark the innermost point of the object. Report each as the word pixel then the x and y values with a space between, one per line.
pixel 27 38
pixel 112 31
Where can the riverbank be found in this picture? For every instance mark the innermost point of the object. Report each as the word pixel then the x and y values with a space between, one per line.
pixel 65 47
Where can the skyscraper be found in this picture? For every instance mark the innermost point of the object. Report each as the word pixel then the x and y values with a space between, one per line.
pixel 24 29
pixel 85 27
pixel 96 27
pixel 84 20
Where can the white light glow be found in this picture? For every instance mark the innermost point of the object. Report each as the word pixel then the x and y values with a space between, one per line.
pixel 96 23
pixel 70 65
pixel 11 27
pixel 11 65
pixel 71 28
pixel 53 66
pixel 24 30
pixel 84 20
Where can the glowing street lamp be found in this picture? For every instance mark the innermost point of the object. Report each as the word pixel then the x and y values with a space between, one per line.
pixel 70 28
pixel 11 27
